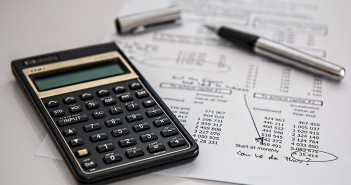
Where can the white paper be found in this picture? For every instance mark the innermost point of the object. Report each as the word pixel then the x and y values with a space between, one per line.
pixel 256 121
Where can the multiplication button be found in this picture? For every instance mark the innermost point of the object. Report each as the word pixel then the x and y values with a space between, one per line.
pixel 161 122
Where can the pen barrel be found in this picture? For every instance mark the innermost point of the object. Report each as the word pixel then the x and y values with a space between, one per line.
pixel 298 59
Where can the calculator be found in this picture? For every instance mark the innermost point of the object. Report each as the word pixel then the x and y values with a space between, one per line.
pixel 101 113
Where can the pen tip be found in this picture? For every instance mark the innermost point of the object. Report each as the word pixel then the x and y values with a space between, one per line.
pixel 212 27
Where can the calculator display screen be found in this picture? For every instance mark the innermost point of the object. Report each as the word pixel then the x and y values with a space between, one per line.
pixel 79 75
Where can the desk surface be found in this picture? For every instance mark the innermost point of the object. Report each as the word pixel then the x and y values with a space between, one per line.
pixel 34 27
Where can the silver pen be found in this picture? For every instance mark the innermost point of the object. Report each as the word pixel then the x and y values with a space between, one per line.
pixel 280 52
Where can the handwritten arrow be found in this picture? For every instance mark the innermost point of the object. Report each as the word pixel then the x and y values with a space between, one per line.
pixel 259 139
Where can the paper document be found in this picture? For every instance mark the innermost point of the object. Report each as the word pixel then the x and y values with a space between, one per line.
pixel 256 121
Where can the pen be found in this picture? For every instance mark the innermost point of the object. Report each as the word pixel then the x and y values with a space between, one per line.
pixel 280 52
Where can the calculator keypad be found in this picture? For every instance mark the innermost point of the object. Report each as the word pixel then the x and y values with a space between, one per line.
pixel 114 125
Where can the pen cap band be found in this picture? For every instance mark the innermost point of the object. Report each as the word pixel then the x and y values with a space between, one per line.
pixel 146 20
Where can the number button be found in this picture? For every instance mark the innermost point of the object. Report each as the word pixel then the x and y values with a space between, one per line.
pixel 112 158
pixel 86 96
pixel 177 142
pixel 113 122
pixel 141 94
pixel 75 109
pixel 105 147
pixel 132 106
pixel 155 112
pixel 98 137
pixel 156 148
pixel 134 117
pixel 52 103
pixel 109 101
pixel 119 89
pixel 169 132
pixel 134 86
pixel 120 132
pixel 149 103
pixel 70 132
pixel 103 92
pixel 57 112
pixel 136 152
pixel 98 114
pixel 92 105
pixel 148 137
pixel 92 127
pixel 76 142
pixel 69 99
pixel 127 142
pixel 141 127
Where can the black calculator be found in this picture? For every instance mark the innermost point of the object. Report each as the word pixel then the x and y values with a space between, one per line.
pixel 104 117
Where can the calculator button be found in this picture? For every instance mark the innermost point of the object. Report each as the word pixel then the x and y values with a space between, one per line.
pixel 177 142
pixel 109 101
pixel 52 103
pixel 89 165
pixel 86 96
pixel 132 106
pixel 92 105
pixel 141 127
pixel 98 137
pixel 156 148
pixel 75 109
pixel 112 158
pixel 134 117
pixel 169 132
pixel 136 152
pixel 103 92
pixel 92 127
pixel 141 94
pixel 116 110
pixel 70 132
pixel 125 97
pixel 161 122
pixel 149 103
pixel 82 153
pixel 76 142
pixel 155 112
pixel 69 99
pixel 134 86
pixel 98 114
pixel 148 137
pixel 113 122
pixel 119 89
pixel 120 132
pixel 127 142
pixel 72 120
pixel 57 112
pixel 105 147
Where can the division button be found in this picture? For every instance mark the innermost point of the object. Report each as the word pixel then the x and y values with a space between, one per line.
pixel 116 110
pixel 98 114
pixel 127 142
pixel 105 147
pixel 113 122
pixel 119 89
pixel 89 165
pixel 136 152
pixel 149 103
pixel 169 132
pixel 103 92
pixel 141 127
pixel 156 148
pixel 92 105
pixel 69 99
pixel 52 103
pixel 82 153
pixel 134 86
pixel 132 106
pixel 76 142
pixel 112 158
pixel 72 120
pixel 75 109
pixel 92 127
pixel 161 122
pixel 155 112
pixel 120 132
pixel 109 101
pixel 98 137
pixel 57 112
pixel 134 117
pixel 86 96
pixel 125 97
pixel 70 132
pixel 141 94
pixel 148 137
pixel 177 142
